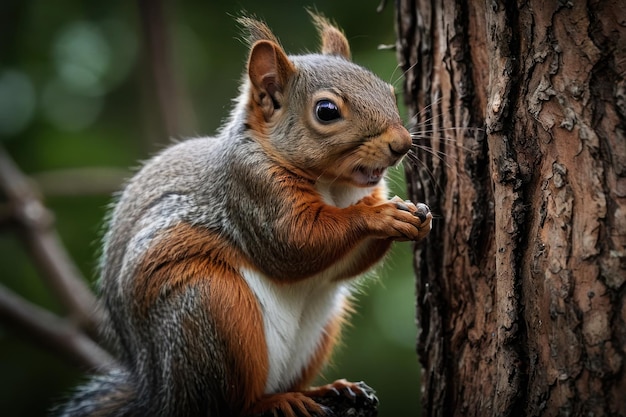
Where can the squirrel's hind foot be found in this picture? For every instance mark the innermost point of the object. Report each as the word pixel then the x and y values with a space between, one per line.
pixel 344 398
pixel 288 404
pixel 341 398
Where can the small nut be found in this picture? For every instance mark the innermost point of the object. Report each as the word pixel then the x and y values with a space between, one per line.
pixel 422 211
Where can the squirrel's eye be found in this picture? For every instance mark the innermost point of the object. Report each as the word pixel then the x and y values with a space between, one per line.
pixel 326 111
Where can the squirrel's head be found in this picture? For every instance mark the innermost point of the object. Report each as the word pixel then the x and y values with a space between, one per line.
pixel 321 115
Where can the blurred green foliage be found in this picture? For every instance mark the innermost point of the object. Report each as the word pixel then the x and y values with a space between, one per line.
pixel 76 91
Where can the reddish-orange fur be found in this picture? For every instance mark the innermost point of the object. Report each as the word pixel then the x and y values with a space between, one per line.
pixel 239 323
pixel 287 403
pixel 182 256
pixel 189 256
pixel 325 234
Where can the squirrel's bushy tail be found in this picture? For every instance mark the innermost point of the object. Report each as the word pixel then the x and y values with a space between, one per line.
pixel 110 395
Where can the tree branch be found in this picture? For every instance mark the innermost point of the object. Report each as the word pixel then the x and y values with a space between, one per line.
pixel 49 255
pixel 52 332
pixel 81 181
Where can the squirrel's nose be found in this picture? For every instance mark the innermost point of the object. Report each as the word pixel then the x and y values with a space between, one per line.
pixel 399 141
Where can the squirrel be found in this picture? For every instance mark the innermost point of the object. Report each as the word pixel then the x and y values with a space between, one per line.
pixel 229 261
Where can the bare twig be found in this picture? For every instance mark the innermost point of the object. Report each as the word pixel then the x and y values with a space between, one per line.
pixel 81 181
pixel 45 247
pixel 52 332
pixel 24 211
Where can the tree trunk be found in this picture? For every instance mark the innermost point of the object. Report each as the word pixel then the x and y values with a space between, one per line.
pixel 520 120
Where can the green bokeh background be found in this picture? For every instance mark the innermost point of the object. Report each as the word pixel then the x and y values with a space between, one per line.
pixel 76 92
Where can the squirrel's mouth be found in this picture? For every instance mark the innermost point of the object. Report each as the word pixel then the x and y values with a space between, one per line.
pixel 367 177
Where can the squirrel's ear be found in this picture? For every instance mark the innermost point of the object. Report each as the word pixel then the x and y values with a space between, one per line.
pixel 334 42
pixel 269 70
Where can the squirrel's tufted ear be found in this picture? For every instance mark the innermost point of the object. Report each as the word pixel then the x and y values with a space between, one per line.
pixel 269 70
pixel 255 30
pixel 334 42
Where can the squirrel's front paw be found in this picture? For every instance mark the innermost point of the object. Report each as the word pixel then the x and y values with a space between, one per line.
pixel 402 220
pixel 420 210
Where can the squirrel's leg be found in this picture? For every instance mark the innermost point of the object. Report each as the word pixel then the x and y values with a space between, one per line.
pixel 202 323
pixel 286 404
pixel 239 330
pixel 203 347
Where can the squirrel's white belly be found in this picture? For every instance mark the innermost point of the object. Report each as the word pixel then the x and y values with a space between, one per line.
pixel 294 318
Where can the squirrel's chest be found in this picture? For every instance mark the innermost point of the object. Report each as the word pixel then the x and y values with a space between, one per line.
pixel 294 320
pixel 342 196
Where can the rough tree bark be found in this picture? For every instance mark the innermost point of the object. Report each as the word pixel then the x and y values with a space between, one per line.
pixel 520 291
